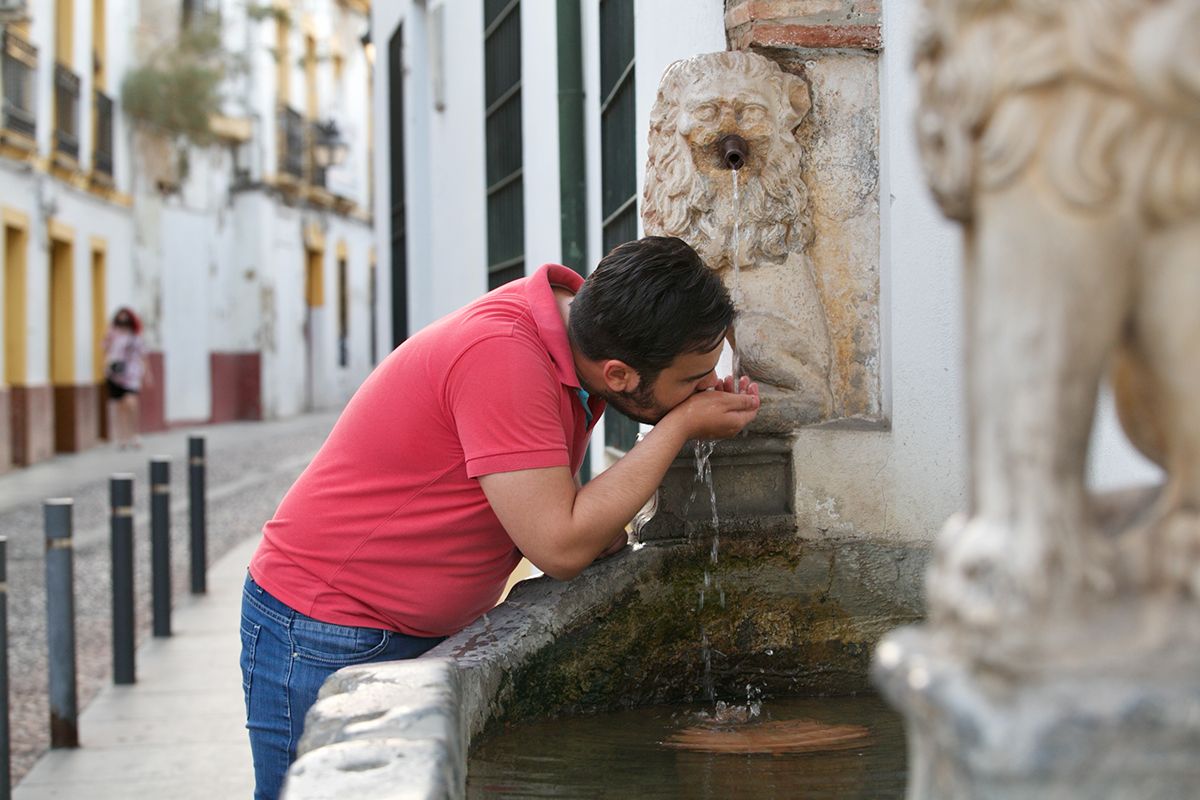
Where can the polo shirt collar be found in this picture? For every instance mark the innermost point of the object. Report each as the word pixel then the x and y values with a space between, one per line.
pixel 544 307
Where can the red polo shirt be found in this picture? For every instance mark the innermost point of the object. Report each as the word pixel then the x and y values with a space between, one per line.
pixel 388 527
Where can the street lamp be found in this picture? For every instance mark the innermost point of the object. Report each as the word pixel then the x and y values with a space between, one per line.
pixel 329 149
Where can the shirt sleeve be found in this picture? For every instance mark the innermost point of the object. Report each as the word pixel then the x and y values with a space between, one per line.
pixel 505 399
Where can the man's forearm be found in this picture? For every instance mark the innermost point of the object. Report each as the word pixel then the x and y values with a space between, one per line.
pixel 610 500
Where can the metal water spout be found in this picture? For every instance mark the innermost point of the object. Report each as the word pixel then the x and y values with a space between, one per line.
pixel 733 151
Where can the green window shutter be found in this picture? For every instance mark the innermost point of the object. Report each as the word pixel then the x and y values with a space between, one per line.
pixel 618 159
pixel 502 122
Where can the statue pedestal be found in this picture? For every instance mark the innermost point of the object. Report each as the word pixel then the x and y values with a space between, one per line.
pixel 753 483
pixel 1088 732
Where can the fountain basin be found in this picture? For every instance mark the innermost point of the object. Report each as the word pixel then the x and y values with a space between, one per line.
pixel 801 616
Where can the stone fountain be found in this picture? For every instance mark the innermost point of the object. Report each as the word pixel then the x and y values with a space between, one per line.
pixel 793 609
pixel 1062 654
pixel 807 335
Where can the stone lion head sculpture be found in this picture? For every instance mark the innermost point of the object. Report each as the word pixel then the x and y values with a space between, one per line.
pixel 688 190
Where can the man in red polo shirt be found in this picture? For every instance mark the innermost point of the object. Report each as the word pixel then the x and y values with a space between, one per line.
pixel 458 455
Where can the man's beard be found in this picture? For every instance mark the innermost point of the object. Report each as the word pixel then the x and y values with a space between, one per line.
pixel 638 405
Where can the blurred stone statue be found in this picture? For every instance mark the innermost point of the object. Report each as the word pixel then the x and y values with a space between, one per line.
pixel 1062 655
pixel 1065 136
pixel 782 335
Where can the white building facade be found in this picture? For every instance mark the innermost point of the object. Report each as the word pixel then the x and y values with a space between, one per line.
pixel 250 262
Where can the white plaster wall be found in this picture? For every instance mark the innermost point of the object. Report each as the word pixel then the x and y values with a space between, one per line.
pixel 539 134
pixel 19 193
pixel 459 224
pixel 190 252
pixel 241 316
pixel 282 297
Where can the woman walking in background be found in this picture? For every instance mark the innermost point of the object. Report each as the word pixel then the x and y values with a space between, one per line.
pixel 124 353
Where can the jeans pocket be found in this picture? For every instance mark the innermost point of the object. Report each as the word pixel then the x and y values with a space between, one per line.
pixel 325 644
pixel 250 633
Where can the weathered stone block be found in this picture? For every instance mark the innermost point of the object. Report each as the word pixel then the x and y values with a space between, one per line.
pixel 412 704
pixel 752 486
pixel 376 769
pixel 1089 734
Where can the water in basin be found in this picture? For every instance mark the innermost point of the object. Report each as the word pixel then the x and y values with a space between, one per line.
pixel 830 747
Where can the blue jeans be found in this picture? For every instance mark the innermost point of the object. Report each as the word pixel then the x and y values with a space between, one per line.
pixel 286 656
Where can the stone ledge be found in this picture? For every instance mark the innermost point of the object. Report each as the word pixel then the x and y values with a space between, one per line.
pixel 1060 735
pixel 375 769
pixel 402 729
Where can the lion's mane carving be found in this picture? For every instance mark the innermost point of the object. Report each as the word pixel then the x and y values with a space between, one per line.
pixel 1101 96
pixel 1065 135
pixel 763 104
pixel 782 334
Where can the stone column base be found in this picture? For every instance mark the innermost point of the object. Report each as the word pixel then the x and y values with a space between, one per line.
pixel 753 483
pixel 1085 733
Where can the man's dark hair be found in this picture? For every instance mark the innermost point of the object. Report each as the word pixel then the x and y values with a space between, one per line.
pixel 648 302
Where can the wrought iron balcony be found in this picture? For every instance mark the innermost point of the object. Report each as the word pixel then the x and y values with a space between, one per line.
pixel 66 111
pixel 291 142
pixel 102 157
pixel 316 136
pixel 19 68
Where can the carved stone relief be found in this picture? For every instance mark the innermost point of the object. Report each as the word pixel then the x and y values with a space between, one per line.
pixel 783 333
pixel 1064 627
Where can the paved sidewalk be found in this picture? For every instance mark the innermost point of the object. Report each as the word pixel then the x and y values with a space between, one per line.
pixel 177 733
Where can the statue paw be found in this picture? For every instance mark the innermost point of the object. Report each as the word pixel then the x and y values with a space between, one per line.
pixel 986 575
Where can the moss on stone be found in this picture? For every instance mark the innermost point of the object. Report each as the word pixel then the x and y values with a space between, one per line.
pixel 800 617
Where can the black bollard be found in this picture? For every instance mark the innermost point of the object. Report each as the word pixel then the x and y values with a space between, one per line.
pixel 120 493
pixel 196 506
pixel 160 543
pixel 5 758
pixel 60 623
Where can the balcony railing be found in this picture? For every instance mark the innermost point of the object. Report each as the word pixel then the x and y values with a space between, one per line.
pixel 19 68
pixel 291 143
pixel 102 158
pixel 66 111
pixel 316 136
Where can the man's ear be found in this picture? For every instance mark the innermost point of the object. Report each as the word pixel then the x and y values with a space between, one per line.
pixel 619 376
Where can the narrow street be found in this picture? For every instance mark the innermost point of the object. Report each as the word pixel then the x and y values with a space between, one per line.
pixel 249 467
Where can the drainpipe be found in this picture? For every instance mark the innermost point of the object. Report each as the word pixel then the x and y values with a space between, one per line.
pixel 572 172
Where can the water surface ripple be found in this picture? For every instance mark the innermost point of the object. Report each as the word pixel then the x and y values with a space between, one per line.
pixel 627 754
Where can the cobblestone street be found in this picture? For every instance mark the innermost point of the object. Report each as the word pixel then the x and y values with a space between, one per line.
pixel 250 466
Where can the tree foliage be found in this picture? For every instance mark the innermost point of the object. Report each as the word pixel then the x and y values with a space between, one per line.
pixel 178 89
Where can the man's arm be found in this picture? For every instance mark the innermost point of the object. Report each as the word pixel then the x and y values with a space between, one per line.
pixel 562 528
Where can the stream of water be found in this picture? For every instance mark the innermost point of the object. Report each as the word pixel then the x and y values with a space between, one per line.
pixel 736 260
